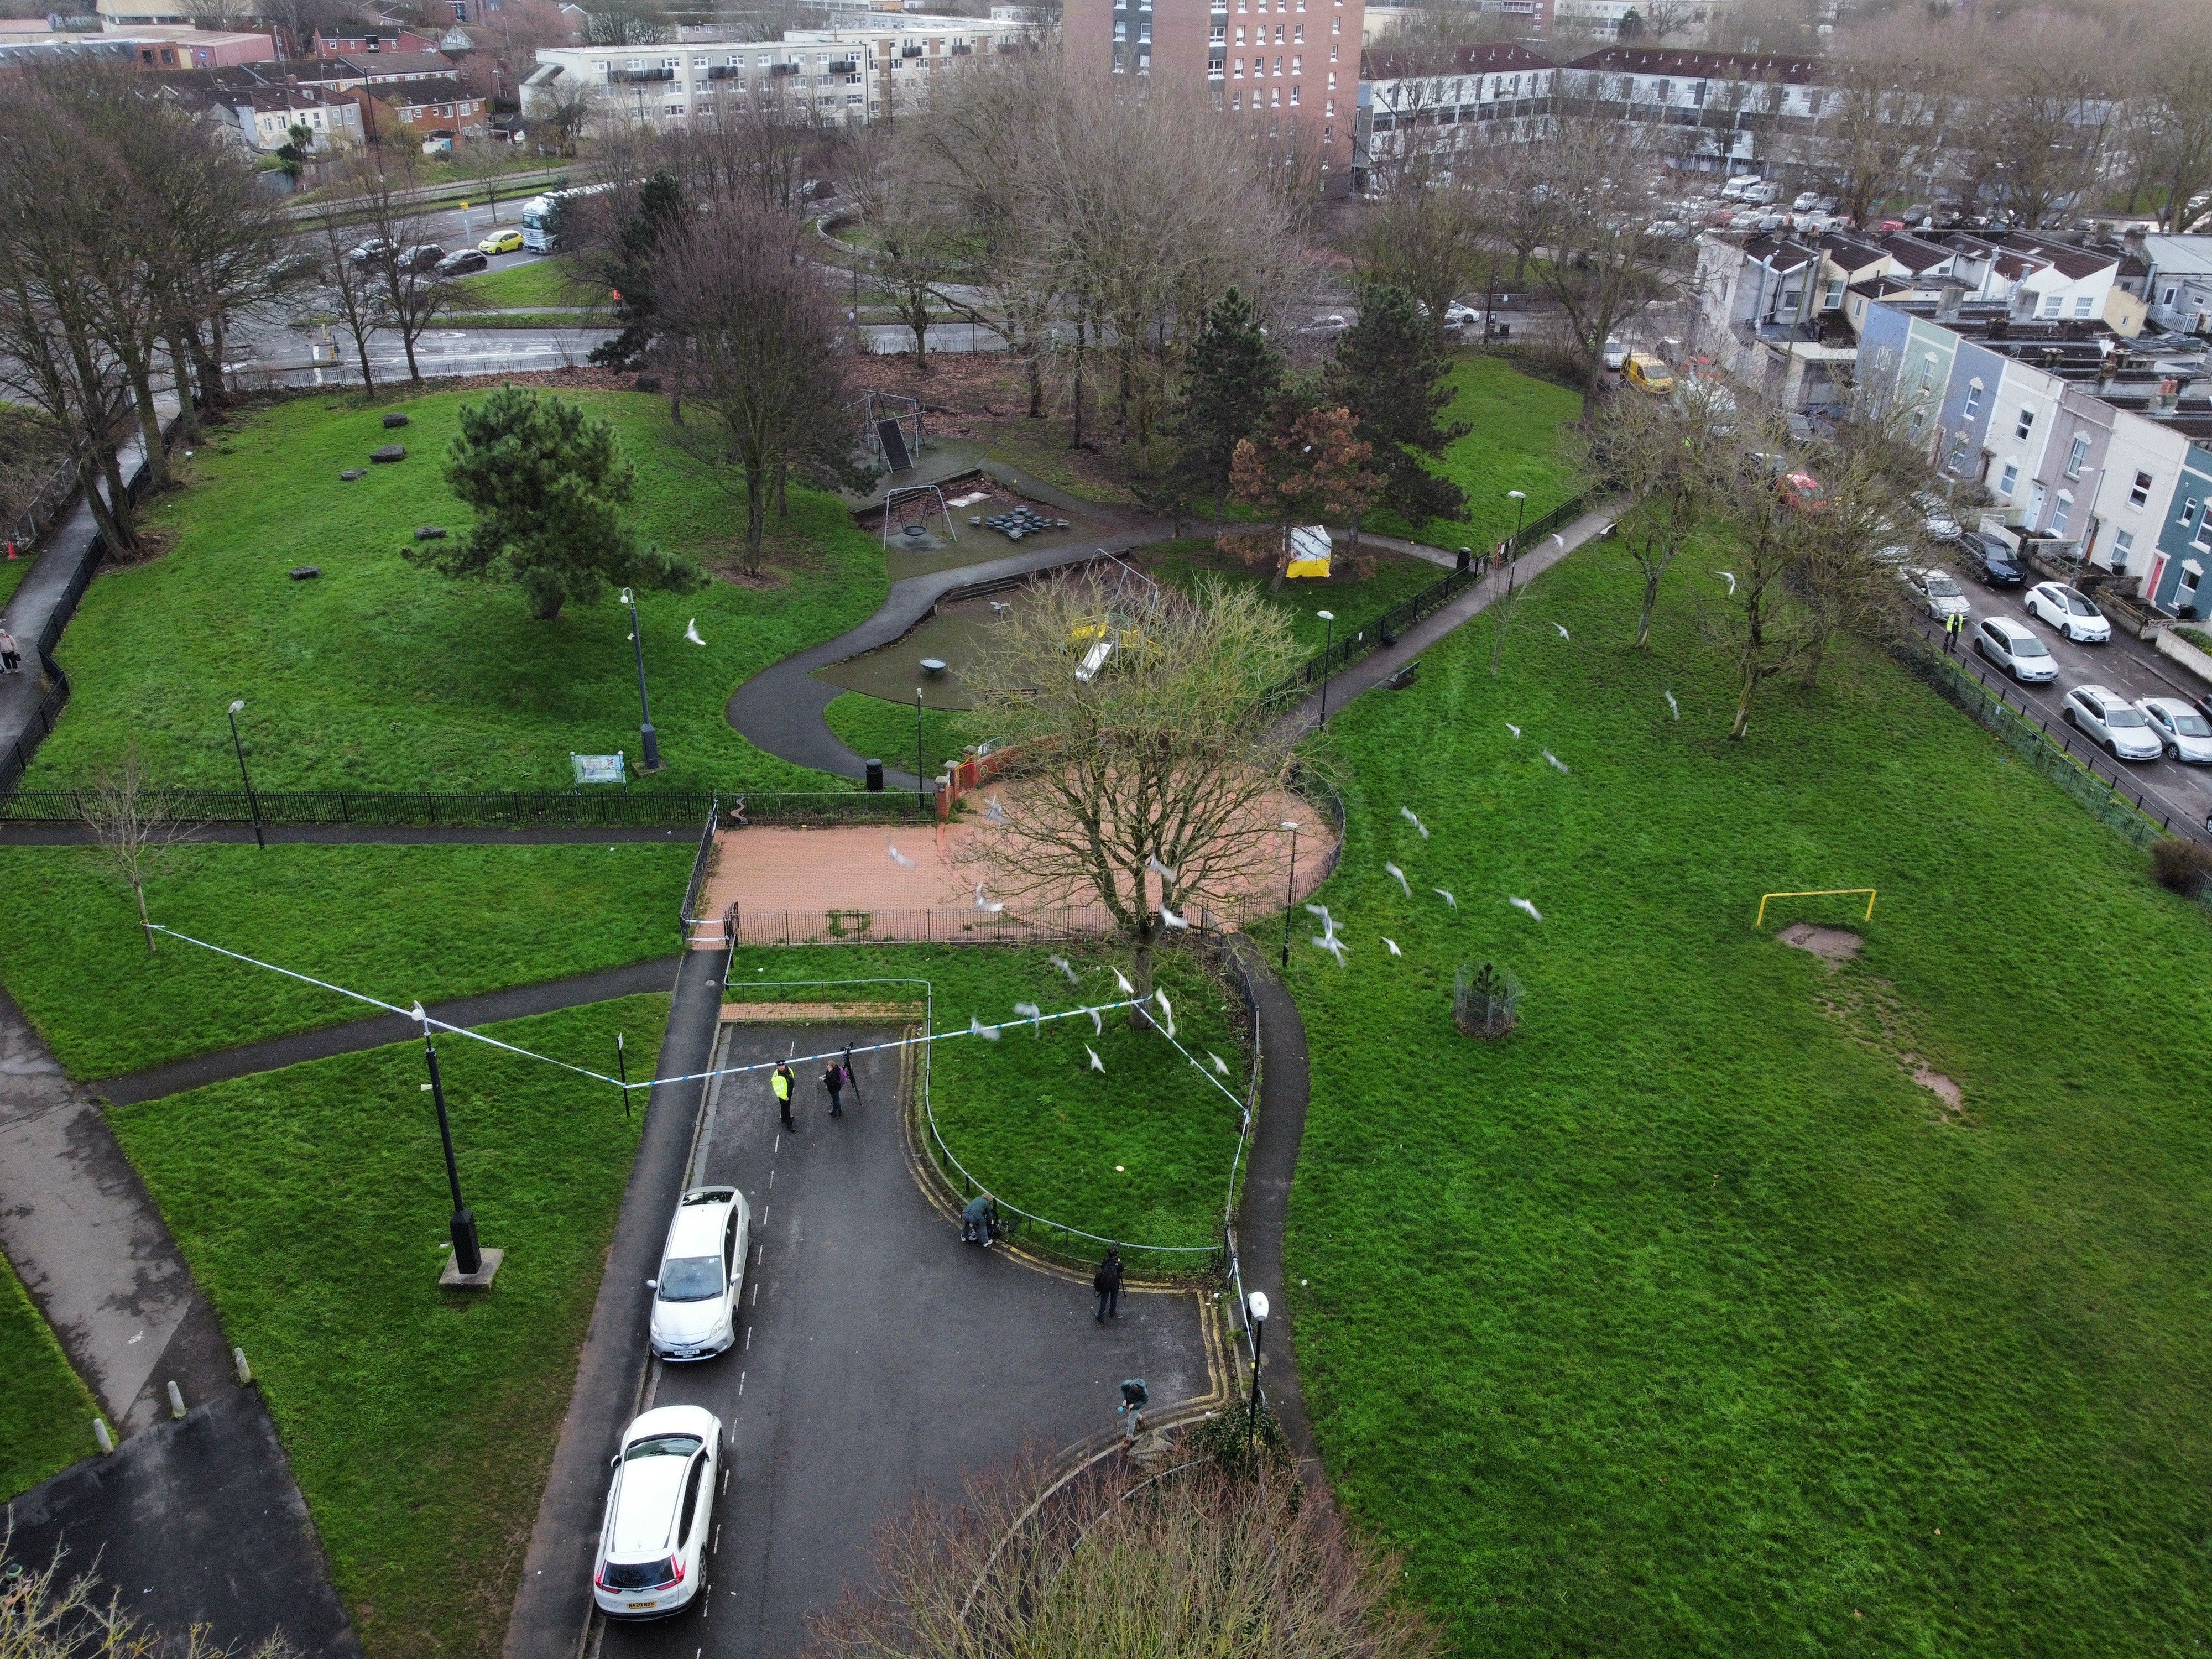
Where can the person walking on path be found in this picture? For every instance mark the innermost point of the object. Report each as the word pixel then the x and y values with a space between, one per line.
pixel 1106 1281
pixel 11 657
pixel 1951 633
pixel 833 1079
pixel 781 1082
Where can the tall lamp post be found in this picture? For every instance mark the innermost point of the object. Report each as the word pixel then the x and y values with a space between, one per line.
pixel 1513 547
pixel 1328 616
pixel 253 801
pixel 919 798
pixel 1255 1303
pixel 650 760
pixel 468 1257
pixel 1290 897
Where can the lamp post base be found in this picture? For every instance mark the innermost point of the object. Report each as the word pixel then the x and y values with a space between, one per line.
pixel 452 1279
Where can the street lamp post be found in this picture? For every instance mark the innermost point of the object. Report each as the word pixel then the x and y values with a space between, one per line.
pixel 468 1258
pixel 1328 616
pixel 253 801
pixel 919 798
pixel 650 760
pixel 1255 1304
pixel 1291 896
pixel 1513 548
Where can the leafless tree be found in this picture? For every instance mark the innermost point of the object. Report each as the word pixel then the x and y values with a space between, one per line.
pixel 1659 454
pixel 1114 1566
pixel 411 292
pixel 355 289
pixel 1431 242
pixel 2039 128
pixel 913 218
pixel 2171 93
pixel 1163 756
pixel 563 110
pixel 1895 93
pixel 137 824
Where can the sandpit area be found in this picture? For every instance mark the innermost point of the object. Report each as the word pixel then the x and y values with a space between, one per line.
pixel 1830 945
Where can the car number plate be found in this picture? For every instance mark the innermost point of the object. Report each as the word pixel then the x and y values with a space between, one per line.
pixel 634 1606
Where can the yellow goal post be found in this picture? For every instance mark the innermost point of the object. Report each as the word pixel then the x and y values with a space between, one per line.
pixel 1818 892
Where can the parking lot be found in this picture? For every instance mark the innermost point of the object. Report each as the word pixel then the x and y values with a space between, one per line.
pixel 878 1358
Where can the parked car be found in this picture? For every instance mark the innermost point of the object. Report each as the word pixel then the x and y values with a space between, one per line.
pixel 1807 200
pixel 2012 647
pixel 1941 595
pixel 2110 720
pixel 423 255
pixel 1802 490
pixel 1992 560
pixel 2069 613
pixel 660 1509
pixel 1647 374
pixel 369 251
pixel 1616 354
pixel 501 241
pixel 461 264
pixel 2185 733
pixel 1457 315
pixel 702 1273
pixel 1937 521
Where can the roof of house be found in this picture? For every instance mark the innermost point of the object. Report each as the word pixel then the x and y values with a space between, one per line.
pixel 1499 58
pixel 443 89
pixel 1699 65
pixel 1915 255
pixel 2179 255
pixel 2067 259
pixel 1849 252
pixel 1779 253
pixel 362 66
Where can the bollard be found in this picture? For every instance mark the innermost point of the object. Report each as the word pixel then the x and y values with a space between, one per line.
pixel 176 1401
pixel 245 1370
pixel 99 1433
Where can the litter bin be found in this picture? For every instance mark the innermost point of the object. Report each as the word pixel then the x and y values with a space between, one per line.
pixel 1465 558
pixel 875 777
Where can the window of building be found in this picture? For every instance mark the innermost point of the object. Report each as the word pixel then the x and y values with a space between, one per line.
pixel 1298 34
pixel 1144 30
pixel 1218 35
pixel 698 63
pixel 1336 24
pixel 1332 54
pixel 2010 478
pixel 2026 424
pixel 2122 544
pixel 1214 69
pixel 2051 304
pixel 637 63
pixel 672 63
pixel 1275 101
pixel 2082 304
pixel 600 64
pixel 1296 65
pixel 1236 68
pixel 1973 399
pixel 2169 293
pixel 1832 299
pixel 1329 109
pixel 2078 456
pixel 1240 34
pixel 1332 80
pixel 675 109
pixel 1294 95
pixel 2140 496
pixel 2062 510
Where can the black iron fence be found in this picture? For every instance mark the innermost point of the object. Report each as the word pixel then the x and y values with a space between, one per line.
pixel 921 925
pixel 514 808
pixel 1386 628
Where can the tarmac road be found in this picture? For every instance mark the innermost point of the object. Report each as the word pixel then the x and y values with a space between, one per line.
pixel 2170 789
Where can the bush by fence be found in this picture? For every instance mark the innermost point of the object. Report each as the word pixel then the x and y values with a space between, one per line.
pixel 604 808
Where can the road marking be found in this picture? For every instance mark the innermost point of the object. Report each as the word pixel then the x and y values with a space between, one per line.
pixel 749 1339
pixel 755 1303
pixel 771 1180
pixel 718 1537
pixel 725 1473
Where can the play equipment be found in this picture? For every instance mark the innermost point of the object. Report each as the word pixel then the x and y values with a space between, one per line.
pixel 1818 892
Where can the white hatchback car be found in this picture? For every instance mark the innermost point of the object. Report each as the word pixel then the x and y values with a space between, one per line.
pixel 702 1271
pixel 2186 734
pixel 661 1511
pixel 2069 613
pixel 2113 722
pixel 2014 649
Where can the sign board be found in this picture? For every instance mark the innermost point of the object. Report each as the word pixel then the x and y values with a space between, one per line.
pixel 598 768
pixel 1309 550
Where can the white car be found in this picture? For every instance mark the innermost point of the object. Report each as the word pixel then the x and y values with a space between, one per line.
pixel 1939 593
pixel 2186 734
pixel 702 1271
pixel 1937 521
pixel 2012 647
pixel 1806 202
pixel 1459 316
pixel 661 1511
pixel 2069 613
pixel 2113 722
pixel 1616 354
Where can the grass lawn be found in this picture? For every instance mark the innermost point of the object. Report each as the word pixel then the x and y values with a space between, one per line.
pixel 386 675
pixel 12 572
pixel 311 1205
pixel 395 922
pixel 1513 446
pixel 537 282
pixel 45 1412
pixel 524 320
pixel 1027 1115
pixel 877 727
pixel 1683 1322
pixel 1356 600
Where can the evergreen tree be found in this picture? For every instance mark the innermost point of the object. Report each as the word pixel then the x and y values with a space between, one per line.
pixel 1233 373
pixel 1390 372
pixel 547 482
pixel 628 268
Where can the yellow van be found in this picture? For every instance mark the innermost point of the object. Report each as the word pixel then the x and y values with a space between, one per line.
pixel 1647 374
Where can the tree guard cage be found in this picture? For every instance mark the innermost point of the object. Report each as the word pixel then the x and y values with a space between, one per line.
pixel 909 491
pixel 891 428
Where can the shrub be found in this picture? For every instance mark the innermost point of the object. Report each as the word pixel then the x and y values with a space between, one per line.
pixel 2183 865
pixel 1486 1002
pixel 2195 636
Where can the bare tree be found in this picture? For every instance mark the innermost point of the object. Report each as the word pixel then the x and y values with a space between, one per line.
pixel 1199 1560
pixel 913 220
pixel 1141 733
pixel 1763 625
pixel 2040 126
pixel 1659 454
pixel 2171 91
pixel 1433 243
pixel 411 293
pixel 1895 89
pixel 136 825
pixel 354 289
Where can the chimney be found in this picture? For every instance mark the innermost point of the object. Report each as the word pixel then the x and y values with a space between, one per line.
pixel 1947 302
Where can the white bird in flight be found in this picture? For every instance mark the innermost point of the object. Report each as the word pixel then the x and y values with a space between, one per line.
pixel 1515 730
pixel 1122 980
pixel 1153 864
pixel 1179 923
pixel 897 857
pixel 691 632
pixel 1030 1011
pixel 1097 1025
pixel 994 810
pixel 1445 897
pixel 1407 813
pixel 1333 945
pixel 1562 627
pixel 1393 872
pixel 1219 1063
pixel 1065 967
pixel 1730 575
pixel 976 1028
pixel 1555 760
pixel 1167 1011
pixel 986 905
pixel 1392 944
pixel 1097 1064
pixel 1526 908
pixel 1672 704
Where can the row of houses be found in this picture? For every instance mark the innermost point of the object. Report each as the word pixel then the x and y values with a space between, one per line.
pixel 339 99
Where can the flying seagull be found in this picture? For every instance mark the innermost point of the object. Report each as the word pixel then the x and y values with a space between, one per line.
pixel 691 632
pixel 1672 704
pixel 1562 627
pixel 987 906
pixel 1445 897
pixel 976 1028
pixel 1097 1064
pixel 1122 980
pixel 1515 730
pixel 994 810
pixel 1407 813
pixel 1097 1025
pixel 1392 944
pixel 1555 760
pixel 1167 1011
pixel 1393 872
pixel 1730 575
pixel 1065 967
pixel 1219 1063
pixel 1030 1010
pixel 1333 945
pixel 897 857
pixel 1526 908
pixel 1152 864
pixel 1179 923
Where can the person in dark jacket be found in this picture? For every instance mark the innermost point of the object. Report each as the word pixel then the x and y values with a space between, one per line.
pixel 833 1079
pixel 1106 1281
pixel 979 1221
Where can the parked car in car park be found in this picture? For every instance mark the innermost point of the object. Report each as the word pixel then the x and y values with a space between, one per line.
pixel 2112 722
pixel 1802 490
pixel 2184 732
pixel 369 251
pixel 2069 613
pixel 661 1507
pixel 461 264
pixel 2002 640
pixel 1806 201
pixel 702 1275
pixel 1991 559
pixel 1940 593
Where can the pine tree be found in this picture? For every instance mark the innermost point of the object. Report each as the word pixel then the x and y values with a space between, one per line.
pixel 1233 373
pixel 629 269
pixel 1390 372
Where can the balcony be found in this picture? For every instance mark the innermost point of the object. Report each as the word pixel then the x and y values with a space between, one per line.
pixel 844 66
pixel 783 69
pixel 726 72
pixel 909 52
pixel 628 75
